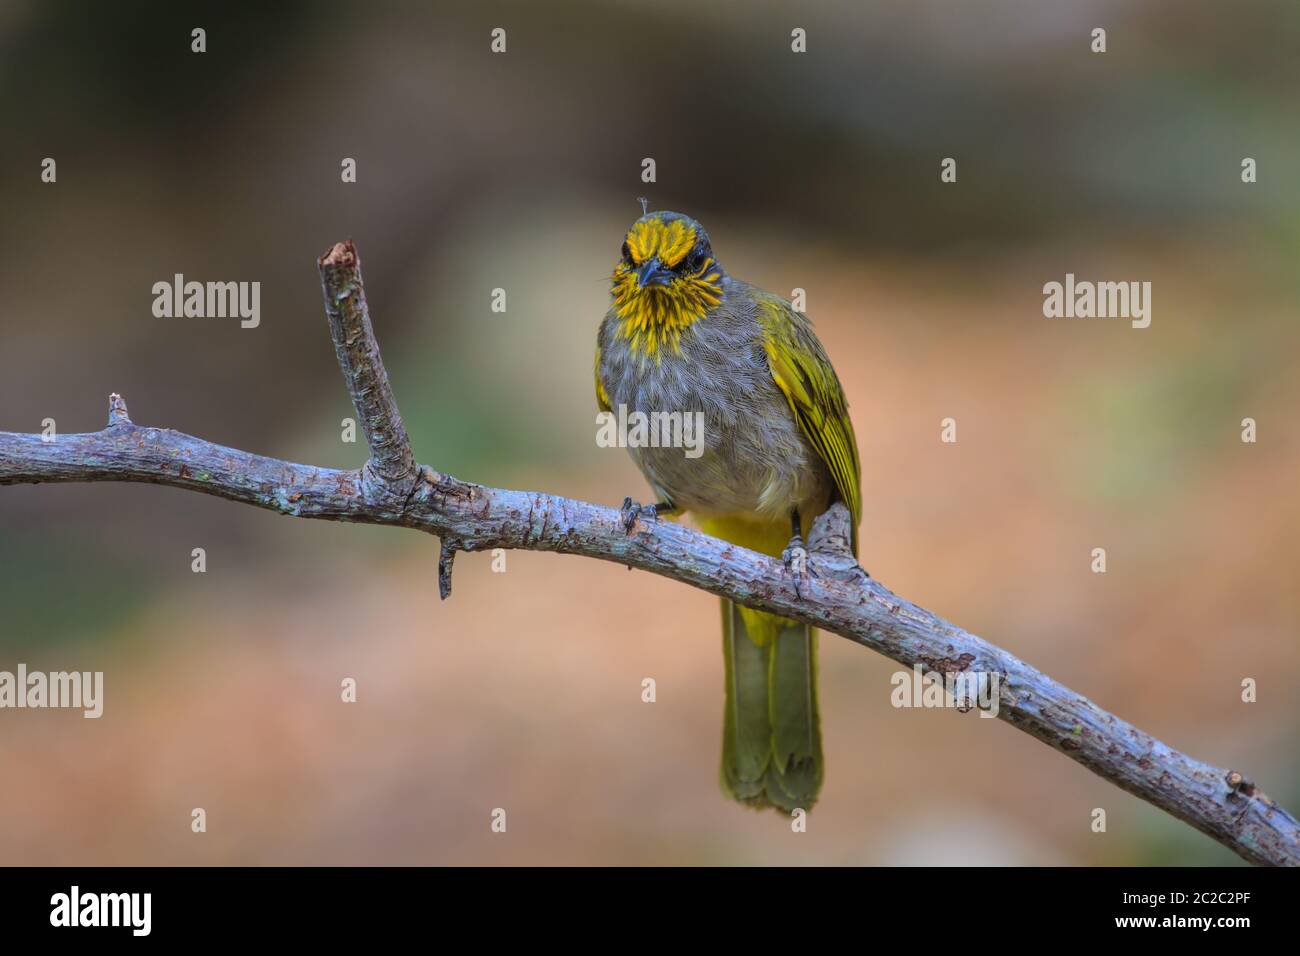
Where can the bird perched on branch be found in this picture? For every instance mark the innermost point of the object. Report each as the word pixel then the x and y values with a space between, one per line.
pixel 682 336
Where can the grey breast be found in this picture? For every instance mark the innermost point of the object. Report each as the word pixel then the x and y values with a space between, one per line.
pixel 754 458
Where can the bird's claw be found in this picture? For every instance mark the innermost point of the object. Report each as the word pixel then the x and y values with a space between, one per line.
pixel 795 559
pixel 633 510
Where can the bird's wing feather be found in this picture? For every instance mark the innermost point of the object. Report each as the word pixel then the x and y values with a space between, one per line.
pixel 602 398
pixel 804 374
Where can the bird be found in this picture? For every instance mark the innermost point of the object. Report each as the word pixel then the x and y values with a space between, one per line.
pixel 681 335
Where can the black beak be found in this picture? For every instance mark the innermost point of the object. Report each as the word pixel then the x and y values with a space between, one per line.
pixel 652 272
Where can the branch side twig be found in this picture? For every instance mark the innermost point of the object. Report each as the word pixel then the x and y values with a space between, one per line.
pixel 363 370
pixel 391 489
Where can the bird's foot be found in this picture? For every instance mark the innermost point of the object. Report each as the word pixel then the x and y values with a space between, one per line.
pixel 634 510
pixel 795 559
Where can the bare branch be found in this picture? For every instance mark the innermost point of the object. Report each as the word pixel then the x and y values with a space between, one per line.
pixel 837 596
pixel 363 370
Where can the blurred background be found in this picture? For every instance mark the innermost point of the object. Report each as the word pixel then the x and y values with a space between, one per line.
pixel 521 171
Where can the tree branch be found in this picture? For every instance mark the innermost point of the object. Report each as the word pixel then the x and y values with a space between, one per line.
pixel 837 595
pixel 391 460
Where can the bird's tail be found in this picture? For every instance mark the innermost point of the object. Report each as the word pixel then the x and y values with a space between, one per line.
pixel 771 736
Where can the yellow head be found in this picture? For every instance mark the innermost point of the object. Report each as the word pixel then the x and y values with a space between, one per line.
pixel 666 280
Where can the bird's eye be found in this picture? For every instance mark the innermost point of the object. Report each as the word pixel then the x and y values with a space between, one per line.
pixel 627 253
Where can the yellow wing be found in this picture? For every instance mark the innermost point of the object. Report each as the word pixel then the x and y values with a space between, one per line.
pixel 602 399
pixel 804 373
